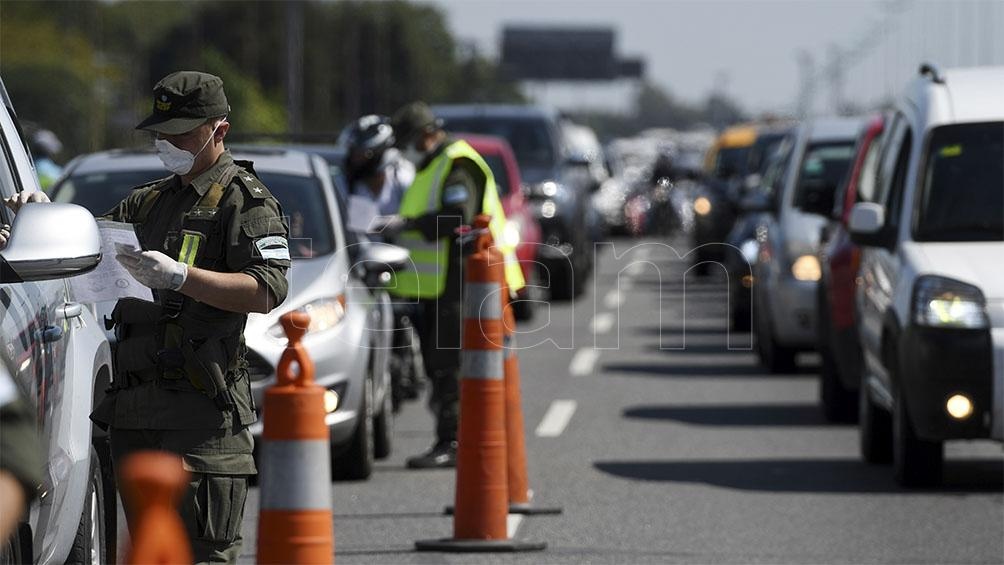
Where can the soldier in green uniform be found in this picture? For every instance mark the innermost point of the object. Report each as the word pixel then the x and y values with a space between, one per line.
pixel 214 249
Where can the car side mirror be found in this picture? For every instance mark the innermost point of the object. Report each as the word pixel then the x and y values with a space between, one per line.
pixel 376 260
pixel 816 197
pixel 867 225
pixel 756 202
pixel 50 241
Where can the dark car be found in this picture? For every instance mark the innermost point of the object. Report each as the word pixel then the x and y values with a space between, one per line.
pixel 839 259
pixel 557 185
pixel 742 241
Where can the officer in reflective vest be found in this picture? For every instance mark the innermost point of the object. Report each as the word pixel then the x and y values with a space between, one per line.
pixel 452 185
pixel 214 249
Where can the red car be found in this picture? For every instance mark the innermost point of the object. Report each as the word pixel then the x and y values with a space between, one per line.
pixel 500 158
pixel 839 346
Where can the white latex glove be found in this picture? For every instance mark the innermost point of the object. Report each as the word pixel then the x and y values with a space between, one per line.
pixel 4 235
pixel 153 269
pixel 21 198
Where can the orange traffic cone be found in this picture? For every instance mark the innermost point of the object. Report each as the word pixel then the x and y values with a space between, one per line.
pixel 295 524
pixel 152 482
pixel 520 494
pixel 482 499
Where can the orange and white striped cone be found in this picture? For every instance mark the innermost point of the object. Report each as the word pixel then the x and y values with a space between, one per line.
pixel 295 524
pixel 482 499
pixel 152 483
pixel 520 495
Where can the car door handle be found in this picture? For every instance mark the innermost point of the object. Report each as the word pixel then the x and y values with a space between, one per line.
pixel 70 310
pixel 51 334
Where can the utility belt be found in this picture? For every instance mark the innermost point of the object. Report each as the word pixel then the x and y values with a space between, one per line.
pixel 166 343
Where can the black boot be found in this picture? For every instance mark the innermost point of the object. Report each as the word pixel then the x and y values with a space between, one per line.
pixel 441 456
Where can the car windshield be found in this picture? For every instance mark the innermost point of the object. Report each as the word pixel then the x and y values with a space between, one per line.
pixel 498 169
pixel 731 161
pixel 963 184
pixel 529 137
pixel 302 201
pixel 825 164
pixel 763 148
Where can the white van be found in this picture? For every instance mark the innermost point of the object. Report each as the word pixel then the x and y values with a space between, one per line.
pixel 930 297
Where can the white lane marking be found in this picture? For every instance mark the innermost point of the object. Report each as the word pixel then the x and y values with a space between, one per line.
pixel 602 323
pixel 613 299
pixel 556 418
pixel 512 523
pixel 583 362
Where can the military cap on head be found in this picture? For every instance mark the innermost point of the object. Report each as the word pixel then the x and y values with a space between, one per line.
pixel 183 101
pixel 412 119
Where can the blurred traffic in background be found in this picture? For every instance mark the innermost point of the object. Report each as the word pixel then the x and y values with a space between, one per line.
pixel 763 247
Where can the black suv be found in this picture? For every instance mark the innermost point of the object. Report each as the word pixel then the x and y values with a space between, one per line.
pixel 557 185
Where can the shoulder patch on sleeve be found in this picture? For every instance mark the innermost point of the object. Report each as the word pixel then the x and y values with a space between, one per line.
pixel 252 186
pixel 455 194
pixel 273 247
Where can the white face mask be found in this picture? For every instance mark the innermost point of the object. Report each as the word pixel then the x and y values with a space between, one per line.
pixel 414 155
pixel 179 161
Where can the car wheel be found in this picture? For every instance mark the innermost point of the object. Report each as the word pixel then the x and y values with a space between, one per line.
pixel 916 462
pixel 774 357
pixel 102 447
pixel 356 462
pixel 14 550
pixel 839 404
pixel 383 428
pixel 89 542
pixel 874 429
pixel 562 280
pixel 740 317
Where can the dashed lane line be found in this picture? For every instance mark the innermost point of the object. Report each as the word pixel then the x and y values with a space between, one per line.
pixel 602 323
pixel 583 362
pixel 614 298
pixel 556 418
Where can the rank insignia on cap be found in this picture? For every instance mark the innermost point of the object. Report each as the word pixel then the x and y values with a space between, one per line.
pixel 162 103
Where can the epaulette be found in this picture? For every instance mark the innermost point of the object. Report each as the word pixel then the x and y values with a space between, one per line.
pixel 252 186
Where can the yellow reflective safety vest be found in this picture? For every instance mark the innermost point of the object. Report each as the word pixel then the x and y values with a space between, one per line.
pixel 425 277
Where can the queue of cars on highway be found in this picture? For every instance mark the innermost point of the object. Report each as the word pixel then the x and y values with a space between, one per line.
pixel 875 240
pixel 878 242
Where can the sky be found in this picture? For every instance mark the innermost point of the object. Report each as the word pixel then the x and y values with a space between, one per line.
pixel 749 48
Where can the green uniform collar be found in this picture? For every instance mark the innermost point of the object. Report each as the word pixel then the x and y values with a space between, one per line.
pixel 202 182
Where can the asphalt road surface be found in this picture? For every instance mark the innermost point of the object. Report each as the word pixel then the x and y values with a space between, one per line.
pixel 664 446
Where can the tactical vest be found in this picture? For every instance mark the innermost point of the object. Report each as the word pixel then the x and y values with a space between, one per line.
pixel 430 259
pixel 184 345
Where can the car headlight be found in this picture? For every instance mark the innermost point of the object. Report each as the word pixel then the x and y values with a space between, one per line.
pixel 806 268
pixel 702 206
pixel 325 313
pixel 548 209
pixel 510 234
pixel 945 303
pixel 750 249
pixel 549 188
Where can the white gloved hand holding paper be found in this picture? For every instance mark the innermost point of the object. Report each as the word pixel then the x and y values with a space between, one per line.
pixel 152 269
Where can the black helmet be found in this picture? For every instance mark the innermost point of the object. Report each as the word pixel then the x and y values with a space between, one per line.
pixel 366 141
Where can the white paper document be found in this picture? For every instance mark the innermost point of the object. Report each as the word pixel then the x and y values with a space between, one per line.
pixel 110 280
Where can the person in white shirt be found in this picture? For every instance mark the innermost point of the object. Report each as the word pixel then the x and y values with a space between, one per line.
pixel 374 170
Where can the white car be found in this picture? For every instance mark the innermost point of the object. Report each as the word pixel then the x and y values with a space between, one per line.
pixel 811 165
pixel 57 355
pixel 931 293
pixel 351 320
